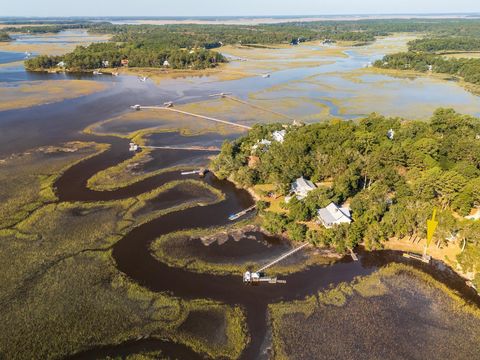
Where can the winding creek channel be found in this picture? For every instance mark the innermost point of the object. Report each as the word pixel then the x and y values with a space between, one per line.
pixel 133 256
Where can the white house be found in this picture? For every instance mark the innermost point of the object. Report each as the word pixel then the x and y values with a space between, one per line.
pixel 301 187
pixel 166 63
pixel 333 215
pixel 279 135
pixel 264 144
pixel 61 64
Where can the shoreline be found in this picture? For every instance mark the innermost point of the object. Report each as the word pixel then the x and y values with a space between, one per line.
pixel 470 87
pixel 388 245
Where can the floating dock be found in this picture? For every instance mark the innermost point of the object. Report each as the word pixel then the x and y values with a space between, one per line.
pixel 241 213
pixel 259 276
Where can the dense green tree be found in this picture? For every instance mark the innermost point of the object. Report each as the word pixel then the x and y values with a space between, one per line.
pixel 296 231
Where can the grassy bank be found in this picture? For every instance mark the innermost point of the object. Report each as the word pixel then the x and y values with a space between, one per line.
pixel 386 313
pixel 32 93
pixel 27 179
pixel 174 250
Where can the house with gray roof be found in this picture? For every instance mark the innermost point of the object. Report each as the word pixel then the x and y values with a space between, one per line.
pixel 332 215
pixel 301 187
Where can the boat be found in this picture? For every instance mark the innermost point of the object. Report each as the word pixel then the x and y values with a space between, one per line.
pixel 97 72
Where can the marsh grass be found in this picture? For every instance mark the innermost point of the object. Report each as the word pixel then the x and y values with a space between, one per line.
pixel 135 214
pixel 173 249
pixel 26 179
pixel 396 310
pixel 130 170
pixel 61 292
pixel 216 330
pixel 30 93
pixel 84 301
pixel 143 122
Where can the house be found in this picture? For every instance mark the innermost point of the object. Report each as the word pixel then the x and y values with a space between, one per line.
pixel 332 215
pixel 61 64
pixel 301 187
pixel 124 62
pixel 166 63
pixel 262 144
pixel 279 135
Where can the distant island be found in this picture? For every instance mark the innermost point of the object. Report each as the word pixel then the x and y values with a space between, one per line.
pixel 5 37
pixel 449 54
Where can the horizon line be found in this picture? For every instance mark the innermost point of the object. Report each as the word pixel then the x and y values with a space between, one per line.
pixel 240 16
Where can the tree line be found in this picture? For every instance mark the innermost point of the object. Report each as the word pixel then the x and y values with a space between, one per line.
pixel 96 55
pixel 468 69
pixel 436 44
pixel 391 185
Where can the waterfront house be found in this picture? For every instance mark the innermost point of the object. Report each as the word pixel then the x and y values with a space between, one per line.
pixel 279 135
pixel 301 187
pixel 264 144
pixel 332 215
pixel 166 63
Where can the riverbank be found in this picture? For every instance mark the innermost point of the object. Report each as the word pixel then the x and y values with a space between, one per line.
pixel 473 88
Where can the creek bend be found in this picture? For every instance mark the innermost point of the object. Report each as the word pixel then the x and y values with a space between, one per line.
pixel 133 256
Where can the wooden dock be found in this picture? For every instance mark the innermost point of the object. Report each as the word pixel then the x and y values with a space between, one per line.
pixel 423 258
pixel 241 213
pixel 353 255
pixel 291 252
pixel 191 148
pixel 226 122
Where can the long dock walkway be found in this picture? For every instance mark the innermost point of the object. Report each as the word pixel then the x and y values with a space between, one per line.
pixel 192 148
pixel 196 115
pixel 291 252
pixel 258 107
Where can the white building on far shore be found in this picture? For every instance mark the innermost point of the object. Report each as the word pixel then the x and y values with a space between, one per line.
pixel 332 215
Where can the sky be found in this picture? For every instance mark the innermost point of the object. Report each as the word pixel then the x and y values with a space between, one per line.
pixel 230 8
